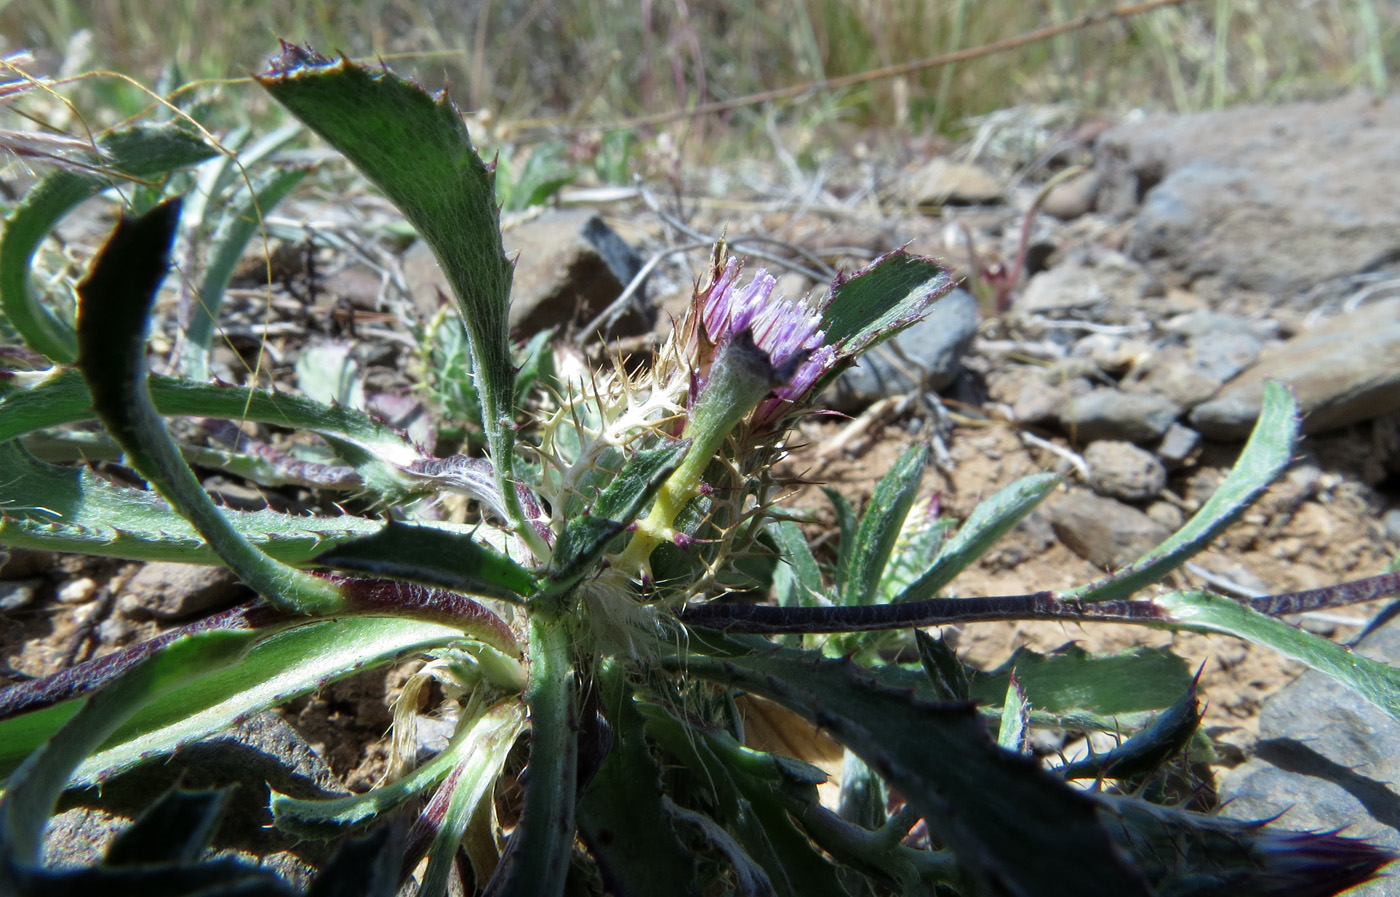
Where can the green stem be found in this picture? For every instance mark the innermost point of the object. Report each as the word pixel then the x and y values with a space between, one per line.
pixel 680 488
pixel 496 406
pixel 537 861
pixel 871 851
pixel 740 377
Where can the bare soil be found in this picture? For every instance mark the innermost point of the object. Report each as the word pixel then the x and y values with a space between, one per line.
pixel 1304 533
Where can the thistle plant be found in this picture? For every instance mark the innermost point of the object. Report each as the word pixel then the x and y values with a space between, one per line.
pixel 587 622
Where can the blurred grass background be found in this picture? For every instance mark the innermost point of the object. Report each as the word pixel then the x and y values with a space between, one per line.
pixel 581 66
pixel 598 61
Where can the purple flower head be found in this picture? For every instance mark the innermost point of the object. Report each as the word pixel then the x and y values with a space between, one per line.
pixel 787 331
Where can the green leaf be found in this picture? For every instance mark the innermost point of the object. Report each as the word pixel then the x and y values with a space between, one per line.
pixel 31 402
pixel 71 509
pixel 918 544
pixel 1010 824
pixel 793 865
pixel 578 547
pixel 1015 718
pixel 1266 455
pixel 1147 750
pixel 278 668
pixel 382 456
pixel 536 365
pixel 543 175
pixel 25 733
pixel 624 498
pixel 874 304
pixel 33 789
pixel 880 527
pixel 329 373
pixel 864 798
pixel 681 742
pixel 945 671
pixel 241 221
pixel 368 866
pixel 416 149
pixel 748 877
pixel 989 521
pixel 878 854
pixel 1127 685
pixel 138 153
pixel 1204 612
pixel 76 446
pixel 621 817
pixel 798 579
pixel 1187 854
pixel 477 750
pixel 451 828
pixel 177 828
pixel 745 785
pixel 846 526
pixel 432 556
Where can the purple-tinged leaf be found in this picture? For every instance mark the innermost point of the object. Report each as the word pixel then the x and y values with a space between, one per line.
pixel 32 790
pixel 280 666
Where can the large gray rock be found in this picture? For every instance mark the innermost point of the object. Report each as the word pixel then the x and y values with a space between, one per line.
pixel 260 752
pixel 1326 759
pixel 569 267
pixel 15 594
pixel 1344 371
pixel 1274 198
pixel 935 347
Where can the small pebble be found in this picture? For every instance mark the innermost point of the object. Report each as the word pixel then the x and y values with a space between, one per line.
pixel 78 591
pixel 1167 514
pixel 115 631
pixel 1112 354
pixel 1391 521
pixel 1074 197
pixel 431 735
pixel 1122 470
pixel 17 594
pixel 1120 416
pixel 1177 446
